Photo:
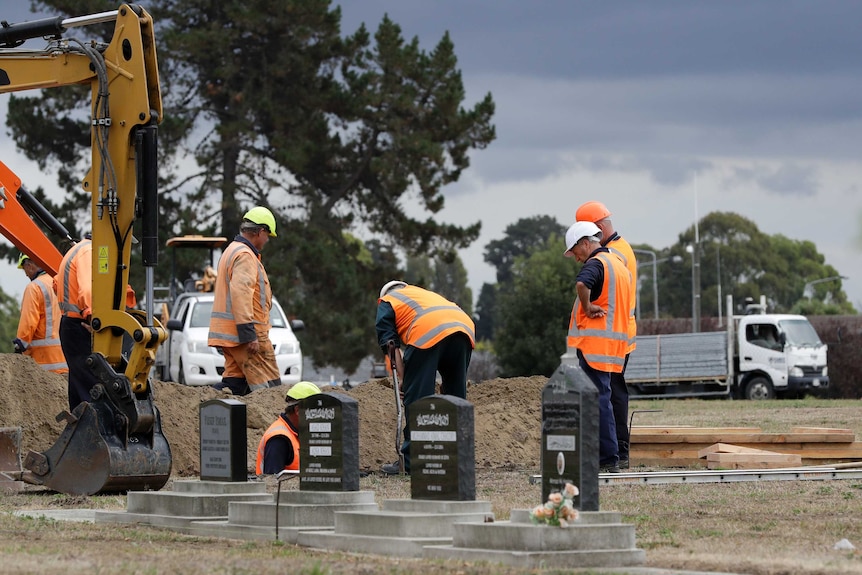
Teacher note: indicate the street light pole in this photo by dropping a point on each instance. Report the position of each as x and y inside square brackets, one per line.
[718, 280]
[654, 282]
[695, 287]
[808, 290]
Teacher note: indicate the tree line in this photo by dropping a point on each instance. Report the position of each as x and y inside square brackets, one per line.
[351, 139]
[269, 103]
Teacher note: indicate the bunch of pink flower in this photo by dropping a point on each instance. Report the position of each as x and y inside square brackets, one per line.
[559, 511]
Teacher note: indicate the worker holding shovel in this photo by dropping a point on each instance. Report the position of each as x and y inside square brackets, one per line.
[438, 337]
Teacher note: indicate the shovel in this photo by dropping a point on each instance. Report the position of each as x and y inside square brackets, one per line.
[398, 404]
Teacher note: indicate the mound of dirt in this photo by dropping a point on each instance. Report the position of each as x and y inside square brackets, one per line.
[507, 415]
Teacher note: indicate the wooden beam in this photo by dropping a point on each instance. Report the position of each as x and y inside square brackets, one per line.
[728, 448]
[752, 460]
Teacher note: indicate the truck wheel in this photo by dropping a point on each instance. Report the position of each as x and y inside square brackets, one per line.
[759, 388]
[181, 376]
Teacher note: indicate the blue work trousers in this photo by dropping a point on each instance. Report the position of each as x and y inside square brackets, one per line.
[608, 448]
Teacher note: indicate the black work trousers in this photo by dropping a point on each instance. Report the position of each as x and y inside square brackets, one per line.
[620, 406]
[451, 357]
[77, 343]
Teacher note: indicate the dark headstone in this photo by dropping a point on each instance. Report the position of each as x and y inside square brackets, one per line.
[223, 440]
[442, 450]
[570, 436]
[329, 443]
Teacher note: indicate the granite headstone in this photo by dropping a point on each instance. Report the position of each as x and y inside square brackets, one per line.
[223, 440]
[570, 436]
[442, 449]
[329, 443]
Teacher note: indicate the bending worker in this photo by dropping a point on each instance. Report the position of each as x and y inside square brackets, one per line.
[39, 325]
[279, 447]
[438, 337]
[597, 213]
[598, 328]
[239, 324]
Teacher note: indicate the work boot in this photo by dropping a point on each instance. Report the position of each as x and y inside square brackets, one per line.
[624, 454]
[236, 385]
[609, 468]
[393, 468]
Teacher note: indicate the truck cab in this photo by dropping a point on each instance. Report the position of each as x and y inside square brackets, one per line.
[779, 355]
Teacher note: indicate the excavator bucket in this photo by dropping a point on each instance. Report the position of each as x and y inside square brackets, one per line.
[10, 460]
[93, 455]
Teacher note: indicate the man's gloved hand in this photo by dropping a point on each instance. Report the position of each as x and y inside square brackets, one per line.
[19, 345]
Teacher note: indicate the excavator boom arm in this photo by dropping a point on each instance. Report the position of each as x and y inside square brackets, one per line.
[121, 428]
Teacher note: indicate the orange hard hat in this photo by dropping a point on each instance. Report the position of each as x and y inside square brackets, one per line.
[592, 212]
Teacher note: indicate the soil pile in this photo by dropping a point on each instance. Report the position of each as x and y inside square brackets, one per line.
[507, 415]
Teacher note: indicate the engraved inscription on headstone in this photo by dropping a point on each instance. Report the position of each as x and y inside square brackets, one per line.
[442, 451]
[223, 440]
[329, 443]
[570, 436]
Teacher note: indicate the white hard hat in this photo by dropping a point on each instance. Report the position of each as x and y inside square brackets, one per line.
[391, 286]
[580, 230]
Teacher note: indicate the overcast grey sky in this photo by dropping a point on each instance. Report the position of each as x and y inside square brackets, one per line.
[661, 109]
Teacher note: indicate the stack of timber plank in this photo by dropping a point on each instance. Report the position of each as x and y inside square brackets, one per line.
[725, 456]
[690, 446]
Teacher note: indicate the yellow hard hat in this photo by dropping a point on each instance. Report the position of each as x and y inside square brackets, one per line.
[262, 217]
[301, 390]
[21, 259]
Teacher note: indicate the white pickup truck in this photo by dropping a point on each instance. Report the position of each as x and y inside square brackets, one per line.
[187, 359]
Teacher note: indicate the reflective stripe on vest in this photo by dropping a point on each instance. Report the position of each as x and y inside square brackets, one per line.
[605, 328]
[231, 253]
[631, 265]
[436, 332]
[65, 304]
[278, 427]
[49, 321]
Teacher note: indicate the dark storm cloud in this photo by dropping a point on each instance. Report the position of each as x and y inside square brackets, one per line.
[631, 38]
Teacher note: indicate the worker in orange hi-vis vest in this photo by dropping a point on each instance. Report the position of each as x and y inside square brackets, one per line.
[39, 326]
[599, 214]
[599, 325]
[437, 336]
[278, 449]
[239, 325]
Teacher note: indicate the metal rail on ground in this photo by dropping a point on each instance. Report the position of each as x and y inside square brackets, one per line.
[723, 476]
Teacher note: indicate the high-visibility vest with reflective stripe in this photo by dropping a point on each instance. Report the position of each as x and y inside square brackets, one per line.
[423, 318]
[229, 311]
[603, 340]
[73, 283]
[39, 325]
[278, 427]
[624, 251]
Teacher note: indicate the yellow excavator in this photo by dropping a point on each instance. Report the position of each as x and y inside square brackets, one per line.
[114, 442]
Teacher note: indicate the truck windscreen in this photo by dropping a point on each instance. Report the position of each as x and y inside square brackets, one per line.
[799, 332]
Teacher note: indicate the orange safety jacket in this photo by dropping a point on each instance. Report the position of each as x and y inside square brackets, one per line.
[278, 427]
[423, 318]
[624, 251]
[603, 340]
[39, 325]
[73, 283]
[242, 299]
